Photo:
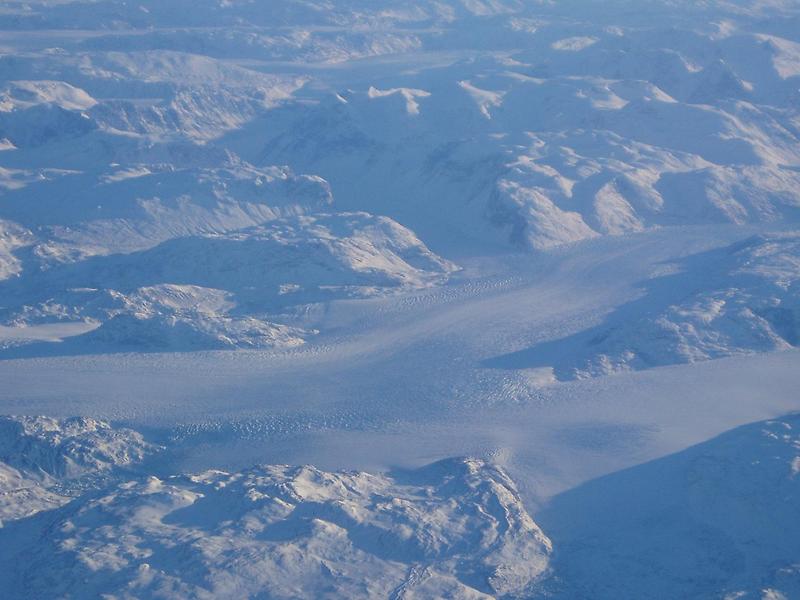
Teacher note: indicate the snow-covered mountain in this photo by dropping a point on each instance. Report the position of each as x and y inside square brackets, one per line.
[732, 301]
[44, 462]
[455, 528]
[718, 520]
[156, 129]
[558, 236]
[217, 290]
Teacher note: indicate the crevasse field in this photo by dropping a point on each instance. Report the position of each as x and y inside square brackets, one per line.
[393, 299]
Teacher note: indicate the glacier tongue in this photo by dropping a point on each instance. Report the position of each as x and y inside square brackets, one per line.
[131, 133]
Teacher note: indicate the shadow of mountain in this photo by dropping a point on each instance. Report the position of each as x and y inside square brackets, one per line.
[718, 518]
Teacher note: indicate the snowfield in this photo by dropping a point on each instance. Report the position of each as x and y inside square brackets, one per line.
[518, 283]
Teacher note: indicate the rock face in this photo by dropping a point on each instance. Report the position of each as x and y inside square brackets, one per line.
[456, 528]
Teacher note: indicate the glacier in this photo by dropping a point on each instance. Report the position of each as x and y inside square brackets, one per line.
[422, 299]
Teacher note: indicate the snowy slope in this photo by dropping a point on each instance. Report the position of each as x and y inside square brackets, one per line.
[726, 509]
[12, 237]
[136, 207]
[678, 119]
[69, 448]
[718, 520]
[22, 497]
[149, 130]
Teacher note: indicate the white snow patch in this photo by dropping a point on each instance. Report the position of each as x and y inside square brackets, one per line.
[574, 44]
